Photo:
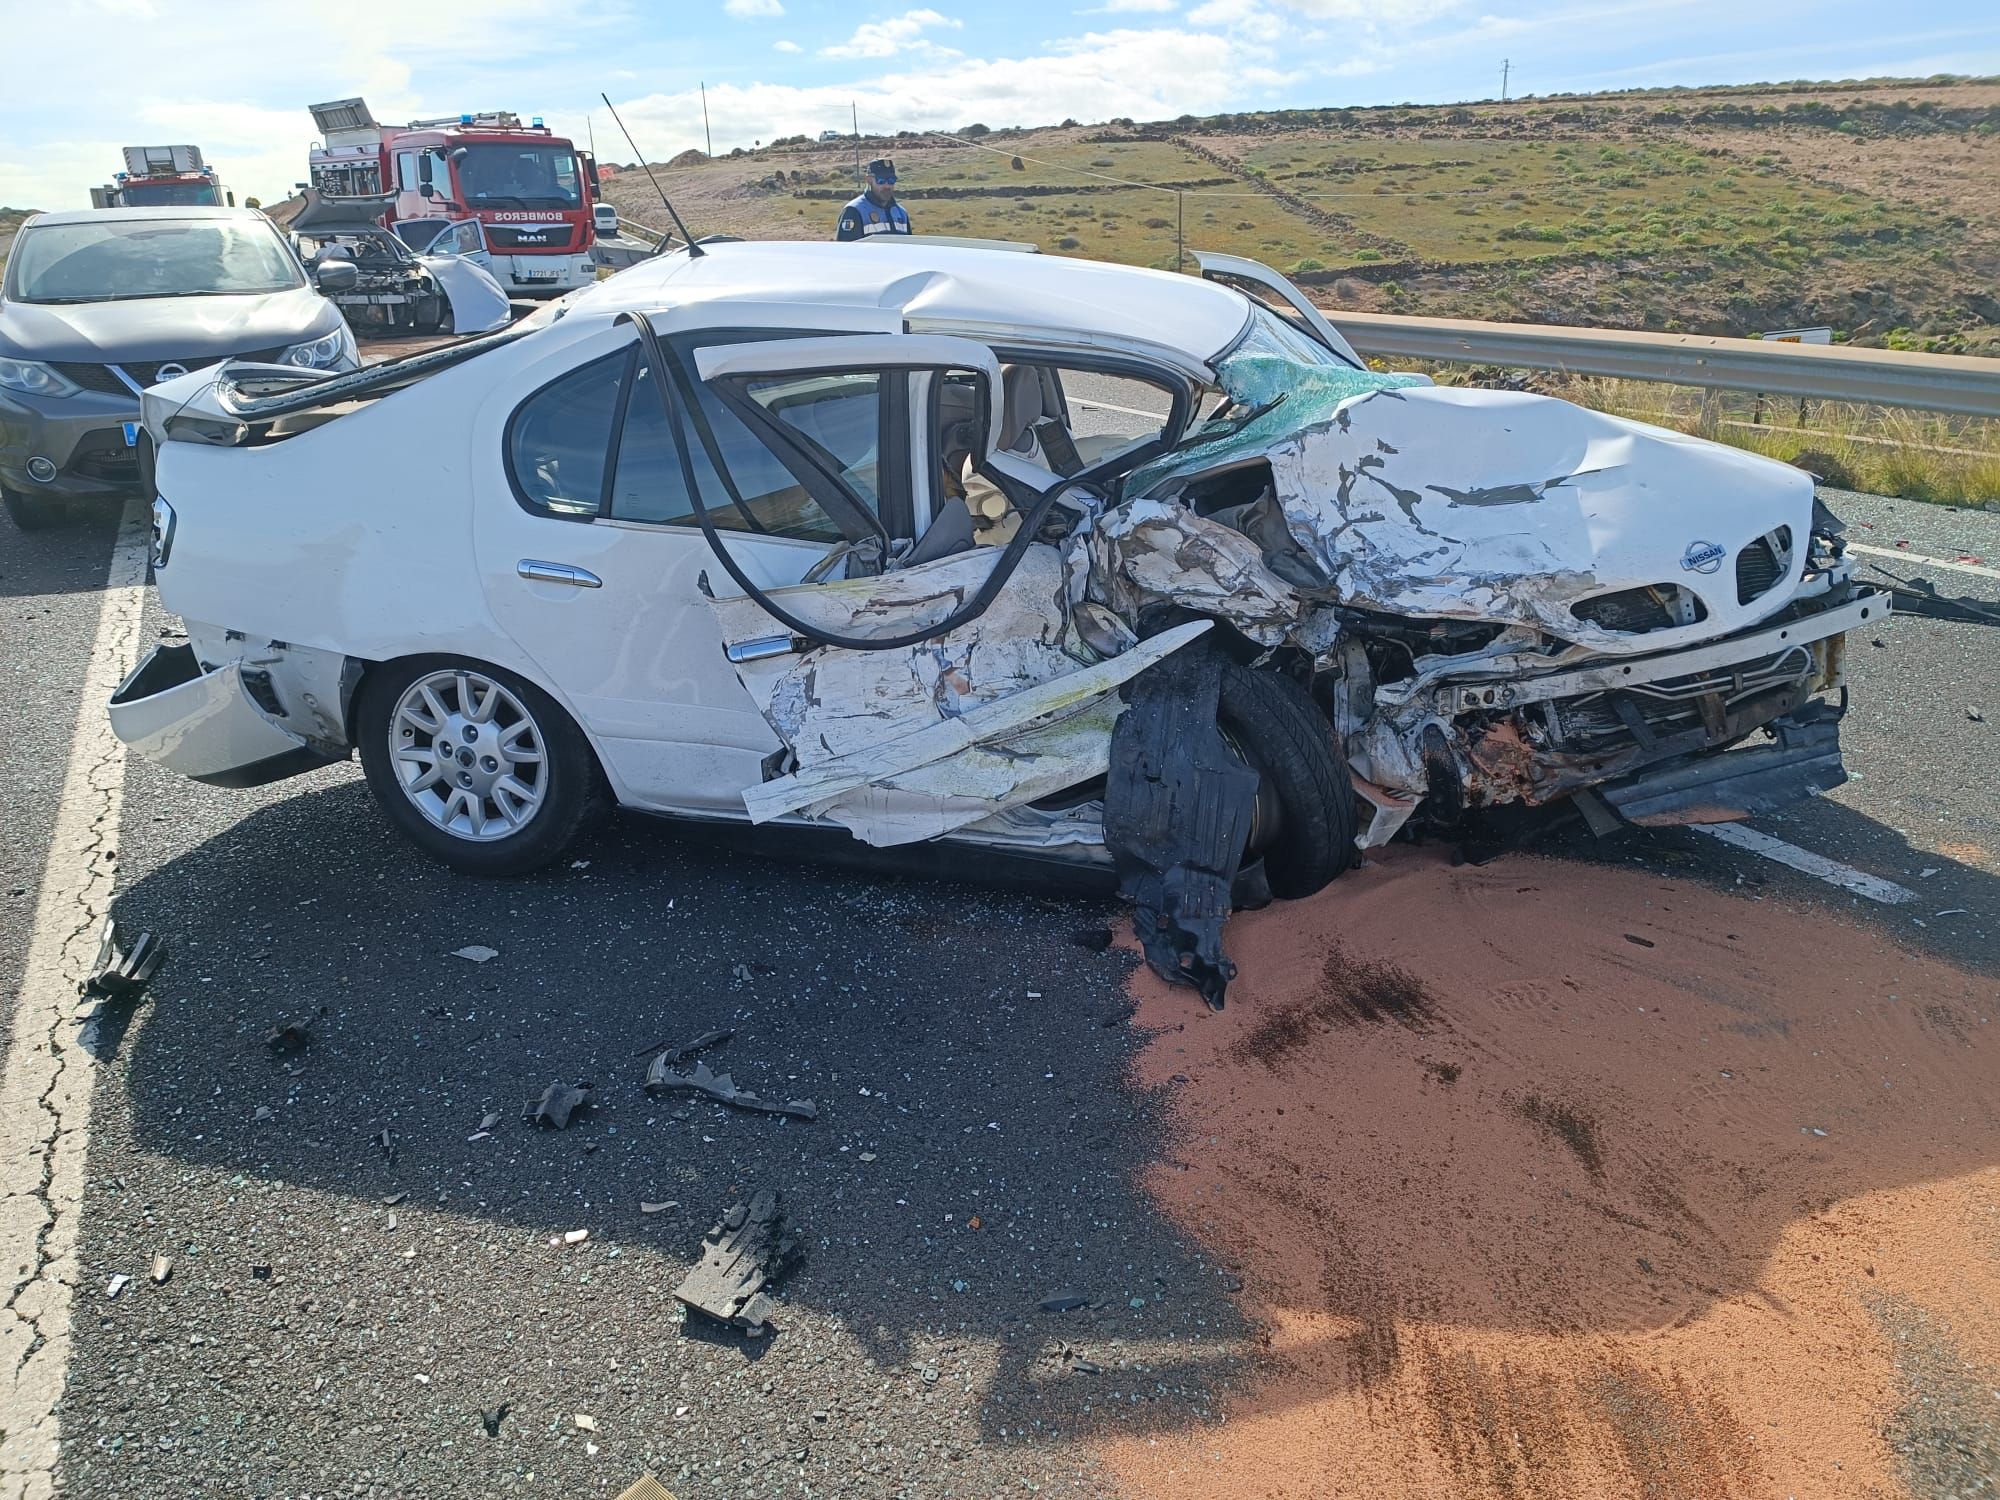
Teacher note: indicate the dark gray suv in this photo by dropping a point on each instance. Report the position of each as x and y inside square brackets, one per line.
[98, 304]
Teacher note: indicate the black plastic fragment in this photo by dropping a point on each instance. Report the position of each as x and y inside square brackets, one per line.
[491, 1420]
[746, 1251]
[558, 1103]
[662, 1079]
[1177, 812]
[117, 974]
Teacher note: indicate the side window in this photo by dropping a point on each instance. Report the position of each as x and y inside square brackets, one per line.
[650, 485]
[557, 443]
[406, 171]
[838, 415]
[466, 237]
[1069, 420]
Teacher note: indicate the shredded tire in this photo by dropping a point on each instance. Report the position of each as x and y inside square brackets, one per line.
[1295, 747]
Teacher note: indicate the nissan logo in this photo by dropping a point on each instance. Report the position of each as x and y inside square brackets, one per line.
[169, 371]
[1703, 557]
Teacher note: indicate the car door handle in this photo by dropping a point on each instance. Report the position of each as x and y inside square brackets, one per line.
[548, 572]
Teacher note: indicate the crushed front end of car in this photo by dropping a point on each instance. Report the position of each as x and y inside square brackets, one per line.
[1504, 598]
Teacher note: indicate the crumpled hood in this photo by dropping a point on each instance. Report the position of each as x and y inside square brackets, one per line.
[153, 328]
[1511, 508]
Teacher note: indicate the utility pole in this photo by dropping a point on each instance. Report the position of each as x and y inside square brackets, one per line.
[1180, 236]
[854, 110]
[707, 136]
[1506, 64]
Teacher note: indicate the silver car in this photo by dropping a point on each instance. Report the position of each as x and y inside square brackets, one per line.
[98, 304]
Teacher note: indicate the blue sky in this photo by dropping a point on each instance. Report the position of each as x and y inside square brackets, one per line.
[234, 76]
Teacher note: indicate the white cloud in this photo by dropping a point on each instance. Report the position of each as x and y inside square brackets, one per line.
[1131, 7]
[1148, 74]
[786, 44]
[743, 9]
[904, 33]
[188, 66]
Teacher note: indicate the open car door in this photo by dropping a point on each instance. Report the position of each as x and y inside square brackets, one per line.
[923, 680]
[1267, 288]
[460, 261]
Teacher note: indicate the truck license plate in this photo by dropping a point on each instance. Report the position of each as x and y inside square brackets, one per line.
[536, 276]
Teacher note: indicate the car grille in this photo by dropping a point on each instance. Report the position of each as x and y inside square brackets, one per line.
[1762, 563]
[104, 455]
[1659, 606]
[1592, 722]
[144, 372]
[508, 237]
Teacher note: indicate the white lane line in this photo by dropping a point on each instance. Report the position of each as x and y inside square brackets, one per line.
[1977, 570]
[46, 1082]
[1832, 871]
[1130, 411]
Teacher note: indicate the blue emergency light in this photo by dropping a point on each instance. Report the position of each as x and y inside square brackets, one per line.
[536, 121]
[465, 119]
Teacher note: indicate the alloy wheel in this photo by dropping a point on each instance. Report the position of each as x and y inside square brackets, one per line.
[469, 755]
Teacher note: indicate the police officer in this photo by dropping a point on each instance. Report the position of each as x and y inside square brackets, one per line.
[875, 211]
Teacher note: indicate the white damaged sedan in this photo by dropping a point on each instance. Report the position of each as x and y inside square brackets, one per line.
[942, 542]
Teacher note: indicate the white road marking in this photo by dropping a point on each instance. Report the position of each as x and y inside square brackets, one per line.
[46, 1083]
[1832, 871]
[1130, 411]
[1978, 570]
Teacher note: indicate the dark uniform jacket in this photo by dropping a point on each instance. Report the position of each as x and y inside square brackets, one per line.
[864, 217]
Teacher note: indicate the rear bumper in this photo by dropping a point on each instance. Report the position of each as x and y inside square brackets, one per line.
[206, 726]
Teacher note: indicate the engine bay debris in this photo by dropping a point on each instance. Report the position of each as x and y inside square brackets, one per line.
[748, 1249]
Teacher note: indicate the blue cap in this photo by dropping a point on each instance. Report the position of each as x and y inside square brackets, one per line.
[882, 170]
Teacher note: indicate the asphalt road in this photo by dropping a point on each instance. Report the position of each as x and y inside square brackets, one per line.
[968, 1057]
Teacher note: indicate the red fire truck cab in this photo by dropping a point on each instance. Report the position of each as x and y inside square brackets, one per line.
[529, 191]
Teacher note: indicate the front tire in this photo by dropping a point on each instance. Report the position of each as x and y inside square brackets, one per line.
[481, 769]
[1293, 747]
[30, 512]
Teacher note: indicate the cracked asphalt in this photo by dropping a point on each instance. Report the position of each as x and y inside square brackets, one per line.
[345, 1309]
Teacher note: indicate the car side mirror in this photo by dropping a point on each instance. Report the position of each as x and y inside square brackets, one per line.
[426, 190]
[336, 276]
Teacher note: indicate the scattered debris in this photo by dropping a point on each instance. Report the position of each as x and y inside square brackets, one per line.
[570, 1237]
[386, 1141]
[1069, 1299]
[393, 1199]
[662, 1079]
[586, 1422]
[486, 1123]
[1973, 713]
[559, 1102]
[868, 1156]
[745, 1252]
[116, 1285]
[491, 1420]
[163, 1267]
[673, 1054]
[646, 1487]
[261, 1270]
[1178, 804]
[1096, 939]
[1636, 940]
[659, 1208]
[741, 973]
[263, 1113]
[119, 975]
[477, 953]
[293, 1036]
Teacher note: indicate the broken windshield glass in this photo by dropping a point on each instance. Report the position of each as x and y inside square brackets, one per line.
[1283, 387]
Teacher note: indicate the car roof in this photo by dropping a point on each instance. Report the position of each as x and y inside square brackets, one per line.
[942, 286]
[157, 211]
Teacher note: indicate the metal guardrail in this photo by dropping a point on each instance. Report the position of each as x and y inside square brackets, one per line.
[1839, 372]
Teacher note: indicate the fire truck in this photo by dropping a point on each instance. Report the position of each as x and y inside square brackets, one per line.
[523, 192]
[157, 176]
